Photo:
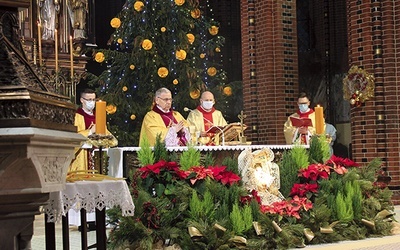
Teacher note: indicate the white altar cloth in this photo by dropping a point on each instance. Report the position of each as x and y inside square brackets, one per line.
[90, 195]
[115, 162]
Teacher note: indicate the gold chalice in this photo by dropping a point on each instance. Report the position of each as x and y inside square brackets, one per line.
[203, 140]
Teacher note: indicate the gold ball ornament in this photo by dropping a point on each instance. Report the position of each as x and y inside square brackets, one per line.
[202, 55]
[180, 54]
[132, 67]
[162, 72]
[211, 71]
[175, 81]
[133, 117]
[111, 109]
[195, 13]
[124, 88]
[217, 50]
[191, 38]
[138, 6]
[99, 57]
[179, 2]
[147, 44]
[195, 94]
[213, 30]
[119, 40]
[227, 91]
[163, 29]
[115, 22]
[352, 101]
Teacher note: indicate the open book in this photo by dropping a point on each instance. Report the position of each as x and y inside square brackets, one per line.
[301, 122]
[215, 129]
[231, 132]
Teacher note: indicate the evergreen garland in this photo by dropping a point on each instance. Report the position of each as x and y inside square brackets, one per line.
[160, 150]
[288, 173]
[146, 155]
[189, 158]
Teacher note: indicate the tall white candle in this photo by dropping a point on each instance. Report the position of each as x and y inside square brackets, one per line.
[56, 47]
[40, 43]
[71, 50]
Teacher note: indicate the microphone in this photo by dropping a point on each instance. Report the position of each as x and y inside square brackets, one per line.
[186, 109]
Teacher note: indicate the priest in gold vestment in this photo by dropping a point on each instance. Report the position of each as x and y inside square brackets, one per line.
[170, 124]
[85, 124]
[205, 116]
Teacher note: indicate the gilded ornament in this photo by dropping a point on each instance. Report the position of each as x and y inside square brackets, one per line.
[111, 109]
[124, 88]
[190, 37]
[133, 117]
[202, 55]
[180, 54]
[211, 71]
[119, 40]
[195, 13]
[162, 72]
[132, 67]
[175, 81]
[213, 30]
[227, 91]
[358, 86]
[195, 94]
[217, 49]
[115, 22]
[99, 57]
[147, 44]
[163, 29]
[179, 2]
[138, 6]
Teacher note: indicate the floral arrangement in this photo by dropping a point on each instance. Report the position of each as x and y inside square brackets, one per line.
[208, 208]
[358, 86]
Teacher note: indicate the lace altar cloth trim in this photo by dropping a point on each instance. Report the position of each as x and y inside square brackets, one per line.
[90, 195]
[217, 148]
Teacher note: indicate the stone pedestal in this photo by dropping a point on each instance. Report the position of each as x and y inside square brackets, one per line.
[33, 163]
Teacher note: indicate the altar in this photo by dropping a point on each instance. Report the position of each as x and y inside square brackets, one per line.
[86, 196]
[122, 157]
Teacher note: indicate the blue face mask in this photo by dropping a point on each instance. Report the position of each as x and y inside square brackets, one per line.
[303, 108]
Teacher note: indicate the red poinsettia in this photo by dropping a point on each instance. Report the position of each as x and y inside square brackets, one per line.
[225, 177]
[302, 189]
[289, 208]
[314, 172]
[201, 173]
[344, 162]
[157, 167]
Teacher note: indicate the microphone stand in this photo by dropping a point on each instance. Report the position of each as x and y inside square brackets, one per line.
[213, 126]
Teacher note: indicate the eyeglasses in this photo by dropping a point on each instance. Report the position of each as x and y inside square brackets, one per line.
[165, 99]
[89, 100]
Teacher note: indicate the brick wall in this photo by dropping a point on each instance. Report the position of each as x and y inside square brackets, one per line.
[270, 75]
[269, 59]
[373, 32]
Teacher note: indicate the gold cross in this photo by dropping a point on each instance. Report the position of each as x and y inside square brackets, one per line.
[241, 117]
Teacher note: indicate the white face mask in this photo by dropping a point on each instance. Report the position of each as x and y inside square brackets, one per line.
[207, 104]
[303, 108]
[90, 105]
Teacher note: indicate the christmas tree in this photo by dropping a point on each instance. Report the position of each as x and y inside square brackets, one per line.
[157, 43]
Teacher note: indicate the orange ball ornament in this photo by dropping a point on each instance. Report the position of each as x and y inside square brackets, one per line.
[227, 91]
[195, 94]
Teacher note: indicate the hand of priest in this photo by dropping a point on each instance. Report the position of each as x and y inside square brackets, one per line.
[92, 128]
[303, 130]
[178, 127]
